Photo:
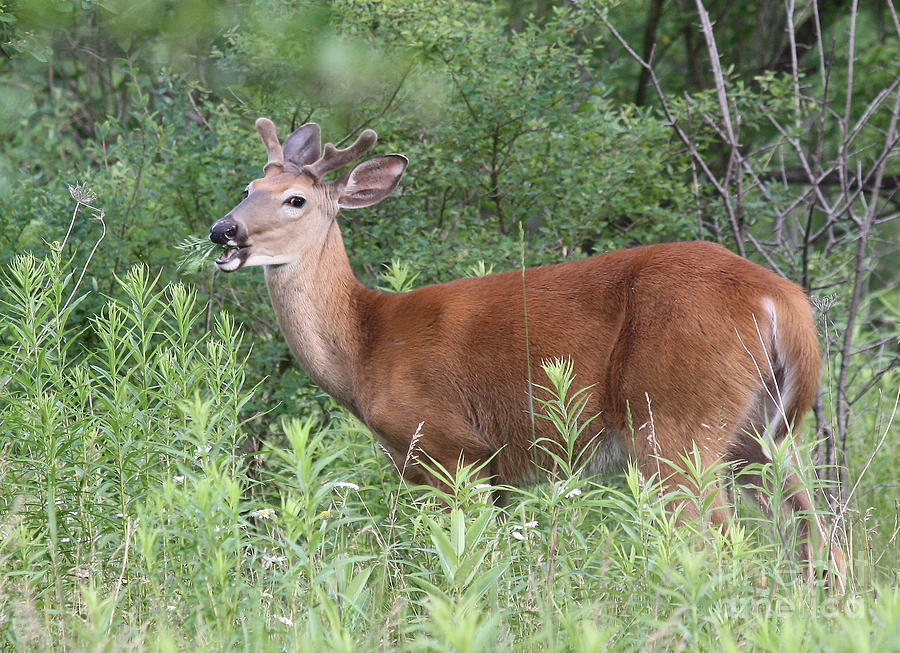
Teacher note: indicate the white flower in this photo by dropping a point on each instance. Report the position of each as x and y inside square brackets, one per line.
[483, 486]
[516, 530]
[269, 560]
[286, 621]
[347, 484]
[574, 492]
[263, 513]
[179, 479]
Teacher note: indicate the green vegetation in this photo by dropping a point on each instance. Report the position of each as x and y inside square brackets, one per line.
[169, 479]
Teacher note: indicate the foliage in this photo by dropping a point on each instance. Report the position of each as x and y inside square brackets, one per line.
[150, 494]
[129, 519]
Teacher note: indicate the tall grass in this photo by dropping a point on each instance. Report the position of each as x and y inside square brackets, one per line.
[128, 519]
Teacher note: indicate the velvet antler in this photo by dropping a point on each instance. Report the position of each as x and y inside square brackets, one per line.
[333, 158]
[266, 129]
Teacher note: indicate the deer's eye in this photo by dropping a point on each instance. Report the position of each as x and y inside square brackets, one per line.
[297, 202]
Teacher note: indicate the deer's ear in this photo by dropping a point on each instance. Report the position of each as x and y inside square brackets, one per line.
[371, 181]
[304, 145]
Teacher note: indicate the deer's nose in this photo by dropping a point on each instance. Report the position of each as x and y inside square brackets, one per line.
[223, 231]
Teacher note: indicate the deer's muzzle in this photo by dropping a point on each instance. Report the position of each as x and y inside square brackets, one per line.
[224, 231]
[228, 233]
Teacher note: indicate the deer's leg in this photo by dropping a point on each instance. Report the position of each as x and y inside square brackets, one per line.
[812, 536]
[427, 446]
[665, 448]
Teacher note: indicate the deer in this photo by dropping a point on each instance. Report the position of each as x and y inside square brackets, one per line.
[685, 347]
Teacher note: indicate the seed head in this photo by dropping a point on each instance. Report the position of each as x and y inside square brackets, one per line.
[82, 194]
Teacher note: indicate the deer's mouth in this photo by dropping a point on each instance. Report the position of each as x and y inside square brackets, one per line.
[232, 257]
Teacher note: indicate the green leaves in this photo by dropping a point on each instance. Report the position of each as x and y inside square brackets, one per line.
[567, 449]
[462, 549]
[397, 276]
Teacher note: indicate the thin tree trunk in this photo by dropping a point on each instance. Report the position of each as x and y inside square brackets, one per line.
[649, 43]
[691, 48]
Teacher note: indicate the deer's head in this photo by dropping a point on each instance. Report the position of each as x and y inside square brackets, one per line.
[286, 213]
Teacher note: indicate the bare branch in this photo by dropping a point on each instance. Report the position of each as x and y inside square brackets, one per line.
[894, 18]
[706, 28]
[845, 122]
[649, 45]
[688, 143]
[734, 216]
[795, 76]
[843, 407]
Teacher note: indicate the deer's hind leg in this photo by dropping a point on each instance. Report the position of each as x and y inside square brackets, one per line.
[687, 461]
[747, 455]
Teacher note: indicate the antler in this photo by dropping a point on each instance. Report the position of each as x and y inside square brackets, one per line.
[266, 129]
[333, 158]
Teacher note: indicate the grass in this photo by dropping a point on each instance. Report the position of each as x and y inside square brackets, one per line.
[129, 521]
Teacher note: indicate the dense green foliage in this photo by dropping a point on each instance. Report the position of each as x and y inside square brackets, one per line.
[131, 522]
[170, 479]
[128, 506]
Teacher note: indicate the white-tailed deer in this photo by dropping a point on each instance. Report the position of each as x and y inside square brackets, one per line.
[717, 347]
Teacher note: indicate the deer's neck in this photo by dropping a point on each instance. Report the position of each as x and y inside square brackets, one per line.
[317, 303]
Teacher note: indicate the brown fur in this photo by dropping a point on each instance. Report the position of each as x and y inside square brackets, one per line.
[706, 341]
[661, 320]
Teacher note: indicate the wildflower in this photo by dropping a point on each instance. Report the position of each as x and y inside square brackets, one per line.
[574, 492]
[285, 620]
[348, 485]
[325, 513]
[270, 560]
[483, 486]
[263, 513]
[517, 529]
[179, 479]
